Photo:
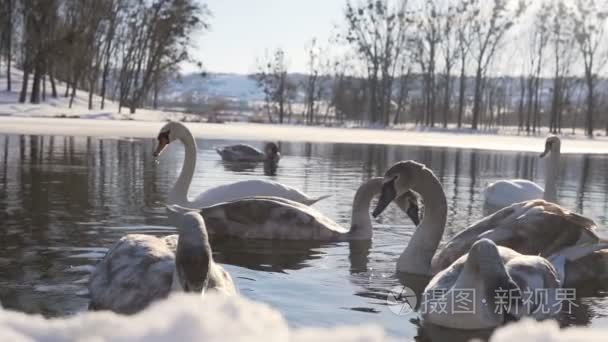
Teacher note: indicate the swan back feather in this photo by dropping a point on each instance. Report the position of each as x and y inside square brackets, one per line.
[535, 227]
[270, 218]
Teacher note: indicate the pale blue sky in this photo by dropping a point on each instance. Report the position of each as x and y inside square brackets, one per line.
[241, 30]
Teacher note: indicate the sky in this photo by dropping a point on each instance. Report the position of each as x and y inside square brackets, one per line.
[242, 30]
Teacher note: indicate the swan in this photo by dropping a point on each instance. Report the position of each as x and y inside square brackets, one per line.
[501, 284]
[248, 153]
[472, 260]
[532, 227]
[174, 130]
[140, 269]
[485, 288]
[281, 219]
[503, 193]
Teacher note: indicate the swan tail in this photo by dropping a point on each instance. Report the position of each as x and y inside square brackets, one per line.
[315, 200]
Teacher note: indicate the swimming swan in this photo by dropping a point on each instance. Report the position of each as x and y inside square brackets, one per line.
[247, 153]
[486, 287]
[502, 285]
[474, 265]
[281, 219]
[535, 227]
[179, 194]
[140, 269]
[503, 193]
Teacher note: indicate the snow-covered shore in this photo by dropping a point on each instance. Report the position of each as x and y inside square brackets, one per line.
[216, 318]
[238, 131]
[54, 117]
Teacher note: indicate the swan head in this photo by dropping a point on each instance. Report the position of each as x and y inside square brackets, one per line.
[485, 263]
[171, 131]
[193, 255]
[271, 150]
[398, 181]
[552, 144]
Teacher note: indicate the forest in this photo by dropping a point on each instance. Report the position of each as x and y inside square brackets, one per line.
[439, 63]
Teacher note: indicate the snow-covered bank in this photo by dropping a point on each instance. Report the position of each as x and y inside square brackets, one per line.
[216, 318]
[149, 129]
[549, 331]
[180, 318]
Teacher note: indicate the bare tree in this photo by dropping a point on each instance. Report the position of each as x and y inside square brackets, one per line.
[449, 52]
[561, 39]
[378, 33]
[488, 27]
[271, 76]
[589, 27]
[312, 81]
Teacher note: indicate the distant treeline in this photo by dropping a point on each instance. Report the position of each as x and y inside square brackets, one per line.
[435, 62]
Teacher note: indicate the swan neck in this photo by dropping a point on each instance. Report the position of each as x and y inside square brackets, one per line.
[179, 194]
[417, 256]
[361, 223]
[551, 174]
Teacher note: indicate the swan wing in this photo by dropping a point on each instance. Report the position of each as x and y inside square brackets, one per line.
[270, 218]
[135, 272]
[534, 227]
[585, 265]
[247, 188]
[240, 152]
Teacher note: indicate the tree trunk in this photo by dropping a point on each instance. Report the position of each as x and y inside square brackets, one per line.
[73, 95]
[446, 100]
[53, 85]
[35, 95]
[43, 87]
[155, 99]
[9, 44]
[590, 102]
[522, 101]
[91, 89]
[24, 84]
[104, 79]
[461, 92]
[477, 97]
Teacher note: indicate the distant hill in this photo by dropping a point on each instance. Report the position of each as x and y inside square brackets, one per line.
[235, 87]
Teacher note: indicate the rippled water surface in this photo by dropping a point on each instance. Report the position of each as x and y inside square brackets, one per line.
[65, 200]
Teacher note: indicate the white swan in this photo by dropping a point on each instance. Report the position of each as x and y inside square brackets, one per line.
[248, 153]
[179, 194]
[534, 227]
[503, 193]
[486, 267]
[488, 286]
[140, 269]
[281, 219]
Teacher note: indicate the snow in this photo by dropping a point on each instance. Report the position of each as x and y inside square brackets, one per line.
[548, 331]
[264, 132]
[184, 317]
[53, 117]
[180, 318]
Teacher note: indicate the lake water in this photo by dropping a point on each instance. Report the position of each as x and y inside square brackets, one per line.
[65, 200]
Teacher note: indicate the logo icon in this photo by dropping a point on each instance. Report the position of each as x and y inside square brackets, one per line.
[401, 300]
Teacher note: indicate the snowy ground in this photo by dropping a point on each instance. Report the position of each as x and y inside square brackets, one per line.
[149, 129]
[54, 117]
